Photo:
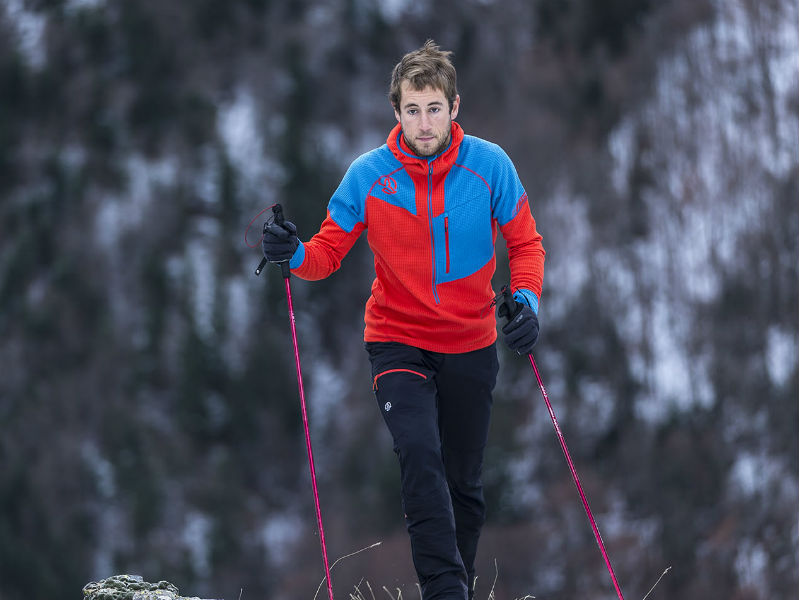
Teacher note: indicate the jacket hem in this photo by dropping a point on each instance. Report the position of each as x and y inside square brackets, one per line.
[445, 347]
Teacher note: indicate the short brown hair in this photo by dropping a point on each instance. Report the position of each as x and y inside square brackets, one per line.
[426, 66]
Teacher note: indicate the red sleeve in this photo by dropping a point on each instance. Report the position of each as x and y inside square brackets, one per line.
[525, 252]
[324, 252]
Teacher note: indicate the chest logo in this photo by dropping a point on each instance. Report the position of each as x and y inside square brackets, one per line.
[389, 184]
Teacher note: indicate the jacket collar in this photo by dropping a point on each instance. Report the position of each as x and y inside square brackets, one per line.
[442, 161]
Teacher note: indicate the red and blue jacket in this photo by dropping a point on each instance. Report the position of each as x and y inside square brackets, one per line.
[431, 224]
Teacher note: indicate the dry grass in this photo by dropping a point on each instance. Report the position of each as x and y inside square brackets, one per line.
[364, 591]
[369, 594]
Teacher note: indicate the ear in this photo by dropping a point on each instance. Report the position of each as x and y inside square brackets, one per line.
[396, 114]
[456, 104]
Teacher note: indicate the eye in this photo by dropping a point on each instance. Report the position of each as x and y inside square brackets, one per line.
[412, 111]
[435, 109]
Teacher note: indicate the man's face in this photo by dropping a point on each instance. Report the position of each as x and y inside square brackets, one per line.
[425, 118]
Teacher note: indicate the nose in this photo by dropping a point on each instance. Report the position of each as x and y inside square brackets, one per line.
[425, 121]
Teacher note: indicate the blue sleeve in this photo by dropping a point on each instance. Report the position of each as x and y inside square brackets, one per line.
[347, 205]
[529, 298]
[508, 193]
[298, 257]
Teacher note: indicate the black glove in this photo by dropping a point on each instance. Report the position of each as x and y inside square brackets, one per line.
[522, 331]
[280, 241]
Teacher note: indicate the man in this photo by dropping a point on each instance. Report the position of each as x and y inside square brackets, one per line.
[431, 200]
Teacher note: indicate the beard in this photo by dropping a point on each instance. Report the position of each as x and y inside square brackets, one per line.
[431, 148]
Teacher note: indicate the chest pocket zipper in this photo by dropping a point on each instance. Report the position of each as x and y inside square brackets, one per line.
[447, 244]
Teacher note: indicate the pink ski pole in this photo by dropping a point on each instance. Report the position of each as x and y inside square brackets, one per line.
[511, 308]
[285, 271]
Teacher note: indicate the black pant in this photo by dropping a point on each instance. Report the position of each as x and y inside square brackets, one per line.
[437, 408]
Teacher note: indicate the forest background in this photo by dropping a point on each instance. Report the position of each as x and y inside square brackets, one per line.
[149, 420]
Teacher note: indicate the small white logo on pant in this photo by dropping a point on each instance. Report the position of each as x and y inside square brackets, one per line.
[387, 406]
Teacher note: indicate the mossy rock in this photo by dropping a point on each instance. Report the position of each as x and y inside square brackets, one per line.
[131, 587]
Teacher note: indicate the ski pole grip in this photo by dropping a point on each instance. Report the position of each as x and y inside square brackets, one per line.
[277, 213]
[509, 307]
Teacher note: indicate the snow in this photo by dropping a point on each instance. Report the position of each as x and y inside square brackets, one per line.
[781, 355]
[239, 126]
[712, 117]
[30, 27]
[278, 534]
[195, 537]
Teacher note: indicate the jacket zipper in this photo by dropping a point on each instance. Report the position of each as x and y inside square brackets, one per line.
[382, 373]
[430, 227]
[446, 245]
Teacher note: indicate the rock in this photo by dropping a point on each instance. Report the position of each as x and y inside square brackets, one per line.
[131, 587]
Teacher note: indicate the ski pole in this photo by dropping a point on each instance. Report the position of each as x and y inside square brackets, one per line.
[511, 309]
[277, 212]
